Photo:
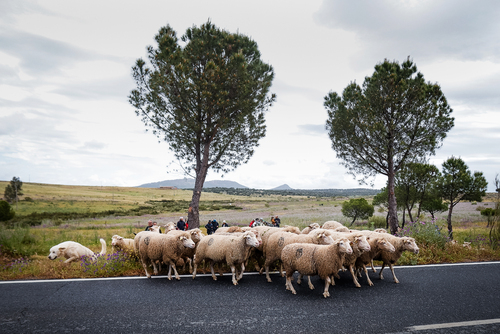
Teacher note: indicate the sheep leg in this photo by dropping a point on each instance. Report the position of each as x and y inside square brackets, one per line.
[326, 293]
[212, 270]
[311, 286]
[145, 268]
[266, 266]
[373, 268]
[194, 269]
[172, 265]
[233, 269]
[299, 279]
[288, 284]
[354, 279]
[370, 283]
[190, 265]
[155, 268]
[393, 274]
[282, 273]
[240, 276]
[381, 275]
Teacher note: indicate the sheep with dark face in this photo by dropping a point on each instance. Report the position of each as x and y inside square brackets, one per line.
[231, 248]
[312, 259]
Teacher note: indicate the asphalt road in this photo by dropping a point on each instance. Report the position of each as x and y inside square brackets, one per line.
[427, 296]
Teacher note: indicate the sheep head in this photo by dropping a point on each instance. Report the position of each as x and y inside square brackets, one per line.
[362, 243]
[344, 246]
[187, 242]
[409, 244]
[250, 239]
[386, 245]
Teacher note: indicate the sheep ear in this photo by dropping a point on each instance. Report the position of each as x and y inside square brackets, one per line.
[62, 248]
[180, 238]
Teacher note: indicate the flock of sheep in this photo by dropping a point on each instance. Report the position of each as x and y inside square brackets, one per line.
[316, 250]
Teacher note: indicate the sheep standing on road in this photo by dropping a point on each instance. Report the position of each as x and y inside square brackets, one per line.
[378, 243]
[168, 248]
[188, 253]
[400, 244]
[311, 259]
[232, 249]
[276, 242]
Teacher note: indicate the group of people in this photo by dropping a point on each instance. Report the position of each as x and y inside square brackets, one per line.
[213, 225]
[275, 222]
[181, 225]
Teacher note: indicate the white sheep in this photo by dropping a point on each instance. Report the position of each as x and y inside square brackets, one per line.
[124, 244]
[231, 249]
[400, 244]
[311, 259]
[276, 242]
[309, 228]
[188, 253]
[332, 224]
[359, 245]
[168, 248]
[170, 226]
[378, 243]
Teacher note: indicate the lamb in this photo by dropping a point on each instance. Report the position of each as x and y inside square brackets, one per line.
[311, 259]
[400, 244]
[188, 253]
[378, 243]
[276, 242]
[309, 228]
[124, 244]
[232, 249]
[163, 247]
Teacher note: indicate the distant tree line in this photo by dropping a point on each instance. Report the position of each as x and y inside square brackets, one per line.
[295, 192]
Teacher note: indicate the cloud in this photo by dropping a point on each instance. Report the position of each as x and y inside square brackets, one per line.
[312, 129]
[432, 30]
[40, 55]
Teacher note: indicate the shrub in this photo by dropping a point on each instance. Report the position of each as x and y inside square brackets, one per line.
[426, 234]
[378, 222]
[107, 264]
[6, 211]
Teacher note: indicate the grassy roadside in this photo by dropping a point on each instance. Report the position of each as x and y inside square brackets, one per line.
[24, 248]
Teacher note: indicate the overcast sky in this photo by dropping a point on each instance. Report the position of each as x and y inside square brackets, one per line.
[65, 74]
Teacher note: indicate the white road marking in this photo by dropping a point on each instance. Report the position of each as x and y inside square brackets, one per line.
[455, 324]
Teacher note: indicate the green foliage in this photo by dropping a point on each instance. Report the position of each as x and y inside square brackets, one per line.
[357, 208]
[457, 183]
[6, 211]
[13, 190]
[17, 241]
[426, 234]
[378, 222]
[394, 118]
[433, 205]
[206, 96]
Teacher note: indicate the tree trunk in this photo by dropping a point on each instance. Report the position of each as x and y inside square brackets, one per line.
[404, 217]
[409, 214]
[393, 213]
[450, 228]
[194, 206]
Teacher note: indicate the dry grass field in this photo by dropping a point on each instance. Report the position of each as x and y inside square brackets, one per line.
[24, 250]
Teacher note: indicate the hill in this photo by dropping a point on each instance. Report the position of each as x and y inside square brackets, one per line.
[186, 183]
[283, 187]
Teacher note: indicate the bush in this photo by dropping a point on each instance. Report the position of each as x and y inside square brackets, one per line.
[426, 234]
[378, 222]
[6, 211]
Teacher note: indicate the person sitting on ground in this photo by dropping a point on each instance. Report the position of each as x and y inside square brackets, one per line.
[181, 224]
[224, 224]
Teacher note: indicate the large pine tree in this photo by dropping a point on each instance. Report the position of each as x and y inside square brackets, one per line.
[395, 118]
[206, 96]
